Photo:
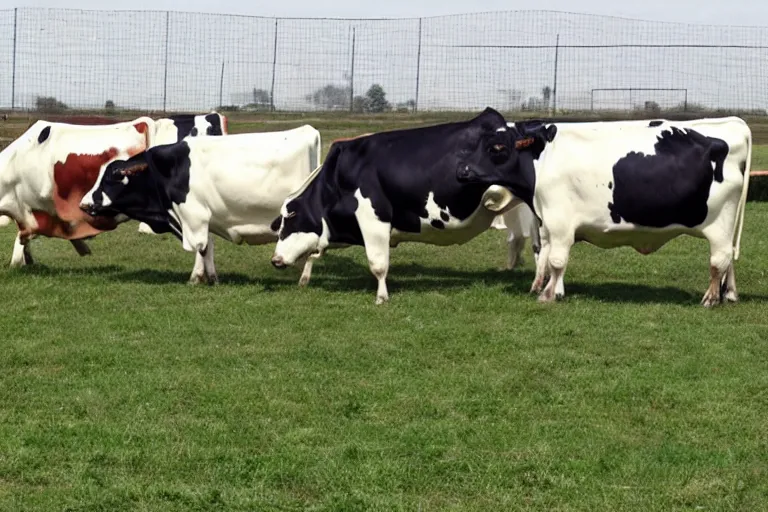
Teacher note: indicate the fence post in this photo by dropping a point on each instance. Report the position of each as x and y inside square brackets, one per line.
[13, 74]
[165, 77]
[554, 83]
[352, 75]
[418, 71]
[221, 86]
[274, 70]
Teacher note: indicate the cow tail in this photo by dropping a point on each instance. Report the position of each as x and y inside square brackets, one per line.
[743, 200]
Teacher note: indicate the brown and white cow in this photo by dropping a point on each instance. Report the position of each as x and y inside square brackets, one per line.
[46, 172]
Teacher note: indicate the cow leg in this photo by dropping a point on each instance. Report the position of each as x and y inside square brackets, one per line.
[376, 237]
[204, 270]
[541, 266]
[21, 253]
[208, 267]
[81, 247]
[515, 247]
[556, 260]
[145, 229]
[720, 263]
[306, 274]
[731, 295]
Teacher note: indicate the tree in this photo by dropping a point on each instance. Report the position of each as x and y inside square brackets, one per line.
[377, 99]
[330, 97]
[262, 100]
[109, 106]
[49, 104]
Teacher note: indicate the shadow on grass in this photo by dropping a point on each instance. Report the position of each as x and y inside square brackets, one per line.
[43, 270]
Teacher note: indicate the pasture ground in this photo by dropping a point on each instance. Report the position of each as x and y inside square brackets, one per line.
[123, 388]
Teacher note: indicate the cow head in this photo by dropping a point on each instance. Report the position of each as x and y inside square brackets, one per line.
[122, 186]
[503, 156]
[300, 233]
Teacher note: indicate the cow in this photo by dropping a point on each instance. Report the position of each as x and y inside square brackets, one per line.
[379, 190]
[229, 186]
[172, 129]
[46, 171]
[639, 184]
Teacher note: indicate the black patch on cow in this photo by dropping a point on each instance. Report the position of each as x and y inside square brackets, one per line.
[424, 214]
[615, 217]
[671, 186]
[444, 216]
[215, 127]
[44, 134]
[437, 224]
[743, 167]
[655, 124]
[275, 226]
[193, 132]
[610, 185]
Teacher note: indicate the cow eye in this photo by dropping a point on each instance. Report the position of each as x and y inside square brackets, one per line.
[498, 148]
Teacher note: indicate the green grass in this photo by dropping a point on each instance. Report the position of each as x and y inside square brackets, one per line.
[123, 388]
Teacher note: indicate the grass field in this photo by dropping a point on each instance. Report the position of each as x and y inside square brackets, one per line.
[123, 388]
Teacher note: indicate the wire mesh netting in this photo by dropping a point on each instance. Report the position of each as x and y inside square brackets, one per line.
[529, 60]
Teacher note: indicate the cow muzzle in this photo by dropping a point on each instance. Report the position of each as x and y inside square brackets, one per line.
[278, 262]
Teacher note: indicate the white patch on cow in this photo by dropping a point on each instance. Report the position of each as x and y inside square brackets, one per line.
[296, 246]
[105, 200]
[376, 237]
[502, 129]
[125, 180]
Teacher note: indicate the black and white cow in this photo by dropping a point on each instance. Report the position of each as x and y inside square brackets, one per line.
[640, 184]
[389, 187]
[229, 186]
[168, 130]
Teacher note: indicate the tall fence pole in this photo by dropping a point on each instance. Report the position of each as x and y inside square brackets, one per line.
[352, 75]
[221, 86]
[165, 76]
[274, 71]
[554, 82]
[13, 74]
[418, 71]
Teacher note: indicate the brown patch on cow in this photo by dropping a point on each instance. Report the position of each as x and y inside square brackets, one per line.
[142, 128]
[51, 226]
[351, 138]
[224, 125]
[73, 178]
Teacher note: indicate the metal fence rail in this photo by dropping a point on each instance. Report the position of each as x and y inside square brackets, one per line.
[520, 60]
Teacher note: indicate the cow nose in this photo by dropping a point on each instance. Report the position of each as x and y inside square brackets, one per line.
[464, 173]
[278, 262]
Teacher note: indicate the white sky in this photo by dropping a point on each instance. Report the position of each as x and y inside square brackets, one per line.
[732, 12]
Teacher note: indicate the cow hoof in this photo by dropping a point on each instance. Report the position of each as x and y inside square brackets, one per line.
[145, 229]
[303, 282]
[546, 298]
[17, 263]
[212, 280]
[195, 280]
[381, 300]
[559, 296]
[731, 296]
[536, 287]
[710, 301]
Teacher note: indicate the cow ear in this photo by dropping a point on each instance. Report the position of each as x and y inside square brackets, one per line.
[130, 171]
[524, 143]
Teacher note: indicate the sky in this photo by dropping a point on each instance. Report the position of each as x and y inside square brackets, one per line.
[195, 62]
[738, 12]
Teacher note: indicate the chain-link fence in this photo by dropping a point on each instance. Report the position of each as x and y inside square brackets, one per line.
[531, 60]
